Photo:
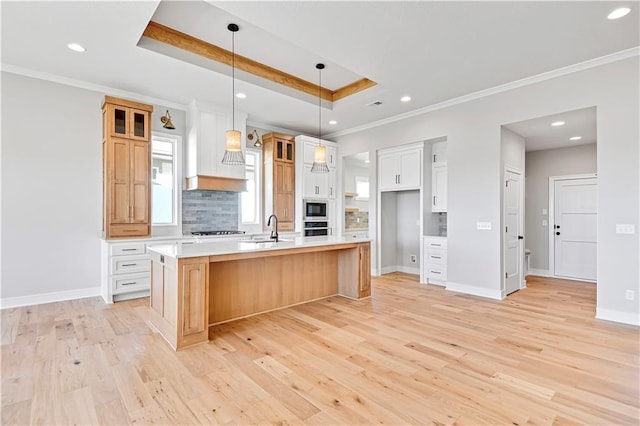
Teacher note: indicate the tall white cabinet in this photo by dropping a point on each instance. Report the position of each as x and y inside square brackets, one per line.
[315, 186]
[439, 177]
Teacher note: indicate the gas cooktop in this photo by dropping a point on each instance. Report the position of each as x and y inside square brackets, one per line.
[217, 232]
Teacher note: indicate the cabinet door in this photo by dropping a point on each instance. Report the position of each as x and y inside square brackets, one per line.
[439, 153]
[332, 156]
[332, 183]
[439, 189]
[308, 152]
[389, 165]
[284, 207]
[138, 124]
[120, 170]
[195, 298]
[140, 182]
[119, 121]
[315, 185]
[410, 172]
[364, 270]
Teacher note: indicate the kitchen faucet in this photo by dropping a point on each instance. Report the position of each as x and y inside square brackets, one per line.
[274, 234]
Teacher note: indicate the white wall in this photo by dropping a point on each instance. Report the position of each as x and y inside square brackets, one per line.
[350, 173]
[408, 238]
[52, 188]
[388, 231]
[540, 165]
[474, 170]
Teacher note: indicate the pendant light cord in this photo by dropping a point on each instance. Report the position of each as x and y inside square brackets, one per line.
[319, 105]
[233, 81]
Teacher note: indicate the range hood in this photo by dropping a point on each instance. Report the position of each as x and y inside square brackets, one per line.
[206, 139]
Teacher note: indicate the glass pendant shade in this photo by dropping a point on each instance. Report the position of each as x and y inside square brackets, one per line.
[320, 160]
[233, 151]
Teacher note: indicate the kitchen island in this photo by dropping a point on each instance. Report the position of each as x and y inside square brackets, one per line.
[195, 286]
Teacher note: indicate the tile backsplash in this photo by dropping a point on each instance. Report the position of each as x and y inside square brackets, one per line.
[355, 220]
[209, 210]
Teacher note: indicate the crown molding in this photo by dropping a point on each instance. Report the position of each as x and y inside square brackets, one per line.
[271, 128]
[90, 86]
[581, 66]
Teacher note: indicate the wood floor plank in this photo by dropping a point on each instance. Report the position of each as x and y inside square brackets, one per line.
[410, 354]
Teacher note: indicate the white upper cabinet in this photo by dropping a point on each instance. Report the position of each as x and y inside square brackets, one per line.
[439, 177]
[400, 168]
[317, 185]
[439, 153]
[206, 140]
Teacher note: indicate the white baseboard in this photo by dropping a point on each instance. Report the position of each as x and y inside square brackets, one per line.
[618, 316]
[408, 270]
[475, 291]
[388, 269]
[58, 296]
[539, 272]
[400, 268]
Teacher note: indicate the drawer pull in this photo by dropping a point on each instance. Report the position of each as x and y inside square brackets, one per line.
[129, 264]
[131, 283]
[435, 272]
[436, 257]
[434, 245]
[129, 249]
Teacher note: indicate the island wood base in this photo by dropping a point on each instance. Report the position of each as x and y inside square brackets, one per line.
[190, 294]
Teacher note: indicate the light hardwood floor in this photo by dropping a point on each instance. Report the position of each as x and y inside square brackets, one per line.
[411, 354]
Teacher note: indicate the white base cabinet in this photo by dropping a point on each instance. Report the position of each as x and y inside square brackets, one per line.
[126, 269]
[435, 260]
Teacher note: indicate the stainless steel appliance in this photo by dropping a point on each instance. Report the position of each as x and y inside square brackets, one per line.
[315, 228]
[223, 232]
[314, 210]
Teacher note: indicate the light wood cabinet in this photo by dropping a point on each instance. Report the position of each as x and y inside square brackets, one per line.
[126, 168]
[364, 270]
[278, 179]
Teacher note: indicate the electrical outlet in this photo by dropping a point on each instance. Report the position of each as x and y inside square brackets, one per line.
[412, 258]
[629, 295]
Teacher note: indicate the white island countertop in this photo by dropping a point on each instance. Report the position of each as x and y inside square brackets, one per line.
[185, 250]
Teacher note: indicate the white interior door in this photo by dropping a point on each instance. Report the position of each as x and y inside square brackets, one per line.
[575, 228]
[513, 233]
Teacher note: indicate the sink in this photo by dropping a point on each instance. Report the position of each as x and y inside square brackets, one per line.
[266, 240]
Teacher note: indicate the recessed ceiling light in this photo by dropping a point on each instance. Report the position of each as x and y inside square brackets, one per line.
[76, 47]
[241, 95]
[557, 123]
[575, 138]
[405, 99]
[333, 122]
[619, 13]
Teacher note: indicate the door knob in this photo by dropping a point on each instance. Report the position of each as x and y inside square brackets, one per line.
[520, 237]
[556, 226]
[557, 233]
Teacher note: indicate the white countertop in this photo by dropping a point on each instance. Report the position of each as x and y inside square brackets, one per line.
[182, 249]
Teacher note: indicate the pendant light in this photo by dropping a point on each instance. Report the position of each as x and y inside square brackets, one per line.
[233, 151]
[320, 152]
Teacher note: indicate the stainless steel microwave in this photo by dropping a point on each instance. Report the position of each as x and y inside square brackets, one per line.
[315, 210]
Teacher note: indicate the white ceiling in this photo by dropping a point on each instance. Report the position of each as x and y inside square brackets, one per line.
[432, 51]
[540, 134]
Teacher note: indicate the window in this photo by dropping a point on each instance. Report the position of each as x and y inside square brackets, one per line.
[250, 200]
[163, 180]
[362, 188]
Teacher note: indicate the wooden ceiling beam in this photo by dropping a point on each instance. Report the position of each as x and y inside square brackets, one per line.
[180, 40]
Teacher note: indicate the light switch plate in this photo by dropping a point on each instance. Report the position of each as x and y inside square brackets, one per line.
[625, 228]
[544, 211]
[484, 226]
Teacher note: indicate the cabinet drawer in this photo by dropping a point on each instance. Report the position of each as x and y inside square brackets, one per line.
[436, 272]
[130, 283]
[127, 249]
[129, 230]
[435, 256]
[437, 243]
[127, 264]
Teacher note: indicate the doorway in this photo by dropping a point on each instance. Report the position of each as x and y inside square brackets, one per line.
[573, 208]
[513, 236]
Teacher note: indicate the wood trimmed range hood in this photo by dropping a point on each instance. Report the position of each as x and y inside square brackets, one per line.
[206, 140]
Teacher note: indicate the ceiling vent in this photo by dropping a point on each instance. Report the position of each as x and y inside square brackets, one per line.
[375, 103]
